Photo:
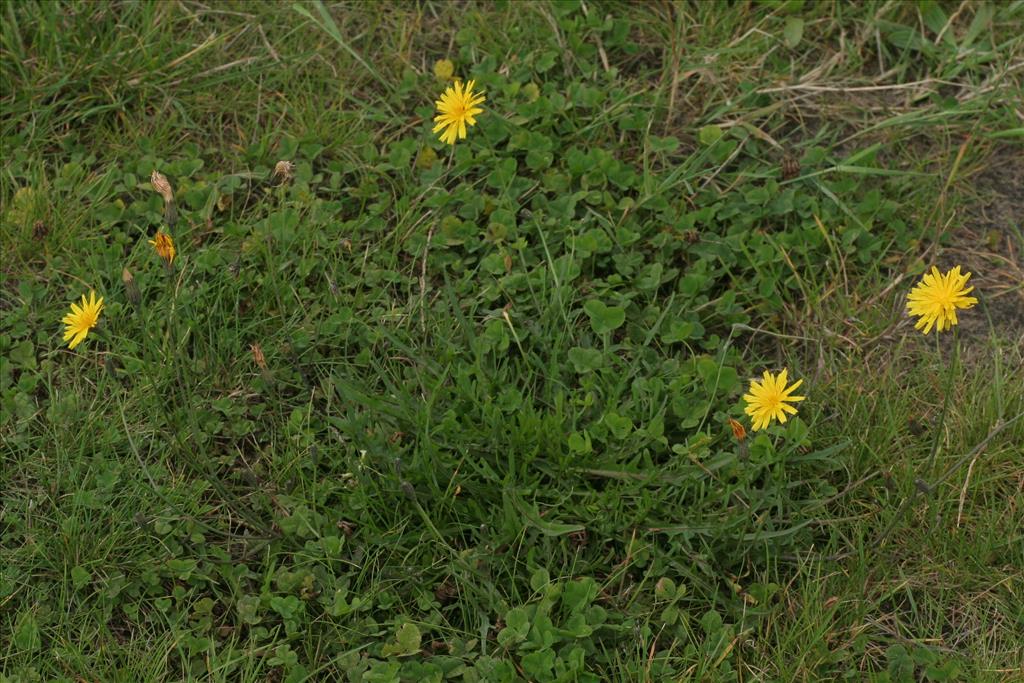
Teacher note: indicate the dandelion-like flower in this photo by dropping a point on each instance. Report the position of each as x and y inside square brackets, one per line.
[444, 69]
[457, 108]
[770, 398]
[936, 298]
[164, 246]
[81, 319]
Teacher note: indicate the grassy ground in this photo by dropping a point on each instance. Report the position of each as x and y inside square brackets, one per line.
[491, 439]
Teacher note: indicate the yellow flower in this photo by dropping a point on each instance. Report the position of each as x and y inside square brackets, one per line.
[457, 108]
[937, 297]
[164, 246]
[443, 69]
[81, 319]
[769, 399]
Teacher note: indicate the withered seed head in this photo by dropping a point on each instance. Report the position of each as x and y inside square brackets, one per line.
[284, 170]
[258, 357]
[162, 185]
[790, 167]
[130, 287]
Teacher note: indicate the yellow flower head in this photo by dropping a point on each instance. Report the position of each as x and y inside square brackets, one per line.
[81, 319]
[444, 69]
[937, 297]
[769, 399]
[457, 107]
[164, 246]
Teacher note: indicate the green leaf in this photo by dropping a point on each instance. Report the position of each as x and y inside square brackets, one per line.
[332, 545]
[579, 442]
[248, 609]
[540, 579]
[711, 623]
[586, 360]
[577, 595]
[678, 330]
[26, 634]
[538, 665]
[23, 355]
[797, 431]
[80, 576]
[665, 589]
[793, 32]
[531, 516]
[901, 666]
[407, 642]
[669, 144]
[284, 656]
[935, 19]
[709, 135]
[603, 318]
[518, 619]
[288, 606]
[982, 20]
[619, 425]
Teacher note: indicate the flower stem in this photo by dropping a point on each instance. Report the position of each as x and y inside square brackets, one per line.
[920, 486]
[946, 391]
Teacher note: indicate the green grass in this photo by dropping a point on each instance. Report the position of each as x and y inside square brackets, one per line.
[491, 442]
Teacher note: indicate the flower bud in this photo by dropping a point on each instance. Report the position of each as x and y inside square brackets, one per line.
[738, 430]
[444, 69]
[162, 185]
[258, 357]
[130, 287]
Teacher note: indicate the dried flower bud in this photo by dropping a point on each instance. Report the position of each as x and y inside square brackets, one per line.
[790, 167]
[162, 185]
[284, 171]
[258, 357]
[446, 592]
[738, 430]
[131, 289]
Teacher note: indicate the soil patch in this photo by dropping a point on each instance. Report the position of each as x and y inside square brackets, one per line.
[990, 245]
